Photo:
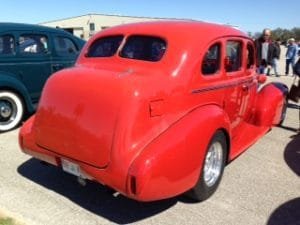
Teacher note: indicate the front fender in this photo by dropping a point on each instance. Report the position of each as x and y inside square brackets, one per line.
[9, 82]
[269, 104]
[171, 164]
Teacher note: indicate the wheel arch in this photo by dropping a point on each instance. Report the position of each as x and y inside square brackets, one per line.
[269, 104]
[228, 143]
[183, 151]
[8, 83]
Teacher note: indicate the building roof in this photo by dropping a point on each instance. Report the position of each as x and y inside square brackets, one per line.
[178, 27]
[112, 15]
[23, 26]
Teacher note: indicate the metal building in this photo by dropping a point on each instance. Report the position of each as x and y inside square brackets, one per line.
[87, 25]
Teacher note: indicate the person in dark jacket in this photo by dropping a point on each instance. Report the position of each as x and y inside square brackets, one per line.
[276, 57]
[264, 52]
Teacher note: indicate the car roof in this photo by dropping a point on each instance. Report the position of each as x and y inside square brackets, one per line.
[171, 28]
[22, 26]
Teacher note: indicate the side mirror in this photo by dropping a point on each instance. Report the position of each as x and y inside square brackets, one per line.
[261, 78]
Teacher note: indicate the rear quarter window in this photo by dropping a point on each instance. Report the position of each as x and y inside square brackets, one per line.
[7, 45]
[146, 48]
[65, 46]
[212, 60]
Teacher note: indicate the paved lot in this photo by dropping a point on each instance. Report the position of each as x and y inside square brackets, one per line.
[262, 186]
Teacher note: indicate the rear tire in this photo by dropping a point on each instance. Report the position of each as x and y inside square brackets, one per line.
[283, 112]
[212, 170]
[11, 110]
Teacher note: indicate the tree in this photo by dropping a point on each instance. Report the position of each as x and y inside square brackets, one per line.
[280, 33]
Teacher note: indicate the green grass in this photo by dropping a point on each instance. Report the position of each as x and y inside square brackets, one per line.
[6, 221]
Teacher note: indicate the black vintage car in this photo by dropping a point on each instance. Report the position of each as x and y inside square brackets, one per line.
[29, 54]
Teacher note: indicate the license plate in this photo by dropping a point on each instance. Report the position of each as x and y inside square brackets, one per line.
[70, 167]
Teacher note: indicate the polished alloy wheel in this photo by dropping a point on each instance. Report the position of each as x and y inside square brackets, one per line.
[213, 164]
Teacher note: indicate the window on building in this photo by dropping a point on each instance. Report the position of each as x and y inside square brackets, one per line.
[65, 46]
[33, 44]
[7, 45]
[92, 26]
[212, 59]
[105, 46]
[145, 48]
[233, 60]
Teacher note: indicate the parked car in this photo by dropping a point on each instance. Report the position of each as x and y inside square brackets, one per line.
[156, 109]
[29, 54]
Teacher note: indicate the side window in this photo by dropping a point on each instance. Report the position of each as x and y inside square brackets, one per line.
[250, 56]
[65, 46]
[7, 45]
[33, 44]
[233, 60]
[212, 59]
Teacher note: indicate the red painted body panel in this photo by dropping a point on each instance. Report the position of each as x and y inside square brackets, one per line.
[268, 106]
[143, 127]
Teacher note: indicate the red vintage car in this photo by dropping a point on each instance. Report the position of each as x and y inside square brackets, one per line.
[155, 109]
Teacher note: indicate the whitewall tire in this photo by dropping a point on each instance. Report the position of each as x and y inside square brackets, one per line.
[11, 110]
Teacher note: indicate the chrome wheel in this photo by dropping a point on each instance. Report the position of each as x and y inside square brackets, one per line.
[212, 168]
[213, 164]
[11, 110]
[7, 110]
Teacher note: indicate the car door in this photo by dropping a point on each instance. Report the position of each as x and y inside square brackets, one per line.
[238, 93]
[7, 54]
[65, 52]
[33, 61]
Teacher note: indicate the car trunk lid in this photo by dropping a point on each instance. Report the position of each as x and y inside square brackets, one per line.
[77, 114]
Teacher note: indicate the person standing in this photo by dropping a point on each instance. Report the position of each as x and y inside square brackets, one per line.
[291, 55]
[264, 52]
[276, 56]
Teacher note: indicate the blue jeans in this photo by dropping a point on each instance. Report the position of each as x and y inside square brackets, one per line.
[275, 65]
[287, 65]
[263, 70]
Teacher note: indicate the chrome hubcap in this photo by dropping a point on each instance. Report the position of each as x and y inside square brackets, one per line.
[7, 110]
[213, 164]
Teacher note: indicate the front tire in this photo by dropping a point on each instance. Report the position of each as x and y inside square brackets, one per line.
[11, 110]
[212, 170]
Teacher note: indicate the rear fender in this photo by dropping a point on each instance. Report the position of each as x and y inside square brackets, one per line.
[8, 82]
[269, 104]
[171, 164]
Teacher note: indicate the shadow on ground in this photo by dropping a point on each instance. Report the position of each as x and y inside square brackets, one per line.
[293, 106]
[293, 129]
[292, 155]
[93, 197]
[286, 214]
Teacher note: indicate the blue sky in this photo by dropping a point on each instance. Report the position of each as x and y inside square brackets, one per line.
[248, 15]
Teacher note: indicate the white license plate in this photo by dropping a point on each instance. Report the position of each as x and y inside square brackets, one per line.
[70, 167]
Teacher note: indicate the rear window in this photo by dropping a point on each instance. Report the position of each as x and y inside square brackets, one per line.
[105, 47]
[145, 48]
